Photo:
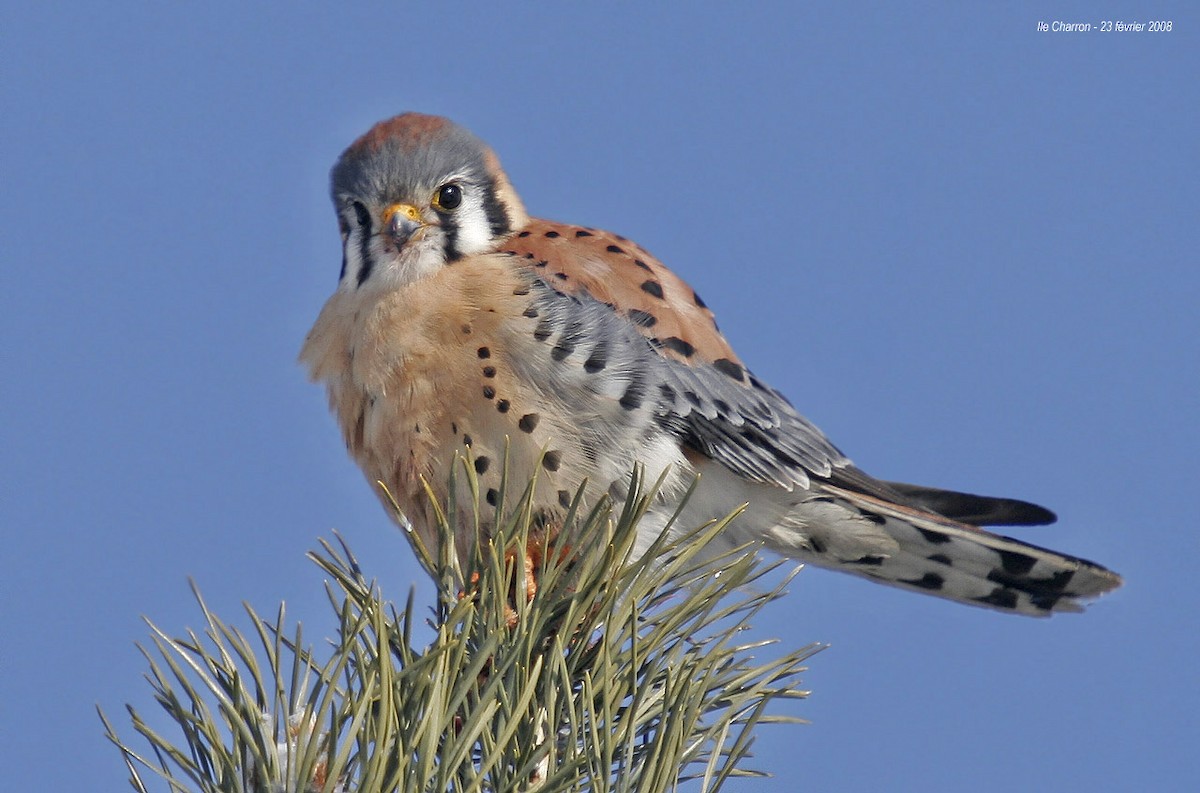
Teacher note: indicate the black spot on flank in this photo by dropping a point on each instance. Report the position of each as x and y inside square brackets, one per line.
[489, 371]
[632, 398]
[552, 460]
[927, 581]
[941, 558]
[484, 352]
[521, 290]
[869, 560]
[453, 428]
[1016, 563]
[561, 276]
[529, 422]
[552, 234]
[528, 255]
[492, 496]
[815, 545]
[598, 359]
[667, 392]
[643, 265]
[488, 392]
[933, 537]
[731, 369]
[481, 464]
[467, 440]
[615, 249]
[642, 318]
[564, 499]
[530, 312]
[543, 330]
[722, 407]
[502, 405]
[692, 397]
[1004, 598]
[652, 287]
[582, 233]
[698, 301]
[678, 345]
[542, 263]
[564, 348]
[524, 233]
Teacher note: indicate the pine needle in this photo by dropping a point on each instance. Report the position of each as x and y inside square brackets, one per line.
[618, 674]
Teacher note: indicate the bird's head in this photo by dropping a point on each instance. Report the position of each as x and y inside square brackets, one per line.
[414, 194]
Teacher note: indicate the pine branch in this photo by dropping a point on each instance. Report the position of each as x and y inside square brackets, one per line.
[590, 679]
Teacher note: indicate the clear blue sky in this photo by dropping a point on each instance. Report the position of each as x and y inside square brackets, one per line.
[966, 249]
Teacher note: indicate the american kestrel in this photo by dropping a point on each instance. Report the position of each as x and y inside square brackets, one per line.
[459, 321]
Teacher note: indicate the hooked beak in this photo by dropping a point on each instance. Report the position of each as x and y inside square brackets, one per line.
[402, 221]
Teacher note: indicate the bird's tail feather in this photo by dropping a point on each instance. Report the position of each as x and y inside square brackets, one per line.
[972, 509]
[939, 556]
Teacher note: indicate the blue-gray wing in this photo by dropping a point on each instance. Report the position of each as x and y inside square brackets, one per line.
[731, 417]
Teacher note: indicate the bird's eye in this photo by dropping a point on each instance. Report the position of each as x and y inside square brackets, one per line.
[448, 197]
[360, 211]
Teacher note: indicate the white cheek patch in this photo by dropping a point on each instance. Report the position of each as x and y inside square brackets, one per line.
[474, 231]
